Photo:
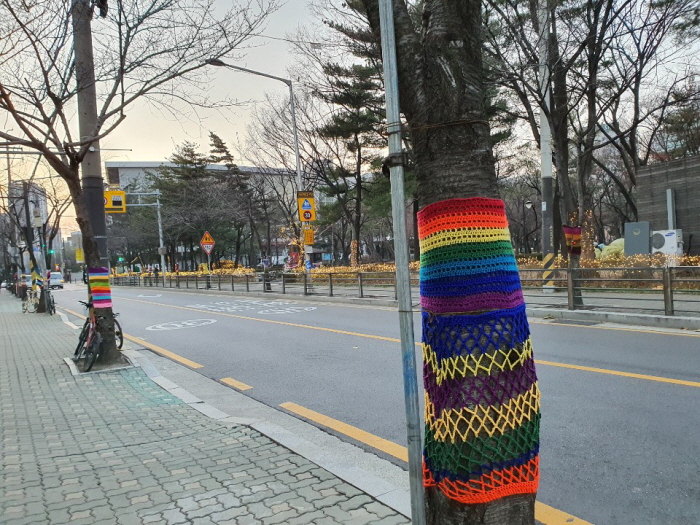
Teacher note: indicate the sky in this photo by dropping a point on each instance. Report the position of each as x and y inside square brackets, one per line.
[146, 135]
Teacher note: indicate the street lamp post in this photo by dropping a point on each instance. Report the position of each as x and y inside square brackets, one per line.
[221, 63]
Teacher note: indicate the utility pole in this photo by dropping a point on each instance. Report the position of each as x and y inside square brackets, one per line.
[545, 149]
[403, 283]
[91, 166]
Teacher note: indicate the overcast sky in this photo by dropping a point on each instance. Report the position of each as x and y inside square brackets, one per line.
[151, 136]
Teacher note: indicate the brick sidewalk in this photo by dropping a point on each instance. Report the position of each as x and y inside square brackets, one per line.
[115, 448]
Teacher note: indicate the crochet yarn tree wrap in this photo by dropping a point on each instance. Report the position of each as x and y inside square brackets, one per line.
[482, 402]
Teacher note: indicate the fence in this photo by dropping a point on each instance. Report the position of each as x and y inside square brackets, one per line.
[668, 291]
[374, 285]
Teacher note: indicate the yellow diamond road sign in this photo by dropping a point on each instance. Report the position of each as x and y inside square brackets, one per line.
[306, 206]
[207, 243]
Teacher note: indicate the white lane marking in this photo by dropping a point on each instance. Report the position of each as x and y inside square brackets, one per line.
[177, 325]
[156, 295]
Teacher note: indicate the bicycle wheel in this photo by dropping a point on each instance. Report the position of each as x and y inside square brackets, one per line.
[25, 304]
[32, 303]
[92, 351]
[118, 334]
[81, 340]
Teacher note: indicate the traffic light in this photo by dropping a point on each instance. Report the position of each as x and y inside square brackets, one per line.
[51, 252]
[120, 259]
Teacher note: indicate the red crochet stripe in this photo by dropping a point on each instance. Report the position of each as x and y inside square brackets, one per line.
[476, 212]
[523, 479]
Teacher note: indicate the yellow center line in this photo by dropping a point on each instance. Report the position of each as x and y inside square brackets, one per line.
[150, 346]
[395, 340]
[622, 374]
[543, 513]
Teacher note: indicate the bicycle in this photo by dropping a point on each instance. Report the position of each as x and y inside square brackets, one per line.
[83, 345]
[89, 341]
[50, 303]
[30, 303]
[118, 333]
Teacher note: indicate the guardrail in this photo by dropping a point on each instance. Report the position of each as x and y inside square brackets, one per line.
[668, 291]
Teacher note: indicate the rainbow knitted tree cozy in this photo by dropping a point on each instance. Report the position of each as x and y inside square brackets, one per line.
[482, 402]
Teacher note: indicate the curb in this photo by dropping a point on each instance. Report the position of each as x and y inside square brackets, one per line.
[646, 320]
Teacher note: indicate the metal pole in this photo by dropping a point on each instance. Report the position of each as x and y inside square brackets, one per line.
[296, 135]
[403, 283]
[160, 237]
[221, 63]
[545, 148]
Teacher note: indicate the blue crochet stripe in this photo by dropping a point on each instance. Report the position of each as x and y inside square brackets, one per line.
[469, 266]
[471, 285]
[498, 328]
[485, 469]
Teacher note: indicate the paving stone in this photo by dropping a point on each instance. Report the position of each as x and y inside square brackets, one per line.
[395, 519]
[228, 514]
[280, 517]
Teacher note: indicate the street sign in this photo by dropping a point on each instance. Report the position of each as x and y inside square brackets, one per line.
[308, 236]
[115, 201]
[207, 243]
[306, 205]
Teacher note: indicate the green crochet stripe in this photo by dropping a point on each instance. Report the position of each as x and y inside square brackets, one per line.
[466, 251]
[465, 457]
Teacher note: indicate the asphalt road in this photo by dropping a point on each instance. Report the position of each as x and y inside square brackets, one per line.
[616, 448]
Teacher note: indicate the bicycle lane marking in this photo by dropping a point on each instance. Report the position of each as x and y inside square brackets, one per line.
[155, 348]
[618, 373]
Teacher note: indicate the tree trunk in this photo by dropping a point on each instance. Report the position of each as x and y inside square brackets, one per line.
[478, 362]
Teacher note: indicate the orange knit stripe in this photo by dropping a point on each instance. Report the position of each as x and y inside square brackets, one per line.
[477, 221]
[523, 479]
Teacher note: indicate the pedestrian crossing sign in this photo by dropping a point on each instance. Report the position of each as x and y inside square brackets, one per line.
[307, 208]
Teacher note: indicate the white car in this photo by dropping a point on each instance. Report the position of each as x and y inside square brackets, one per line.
[56, 280]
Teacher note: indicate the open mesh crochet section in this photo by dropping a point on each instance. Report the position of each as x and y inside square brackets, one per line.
[482, 401]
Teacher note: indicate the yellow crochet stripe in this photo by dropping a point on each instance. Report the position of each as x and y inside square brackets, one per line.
[462, 424]
[476, 364]
[463, 235]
